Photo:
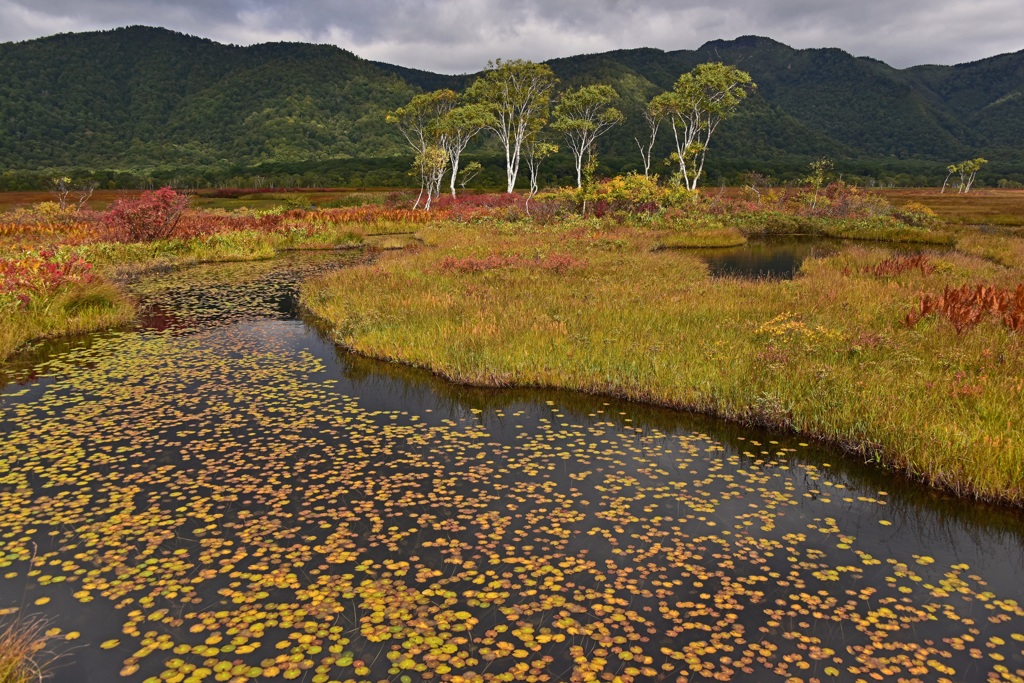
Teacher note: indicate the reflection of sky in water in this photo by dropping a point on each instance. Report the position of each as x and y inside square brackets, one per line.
[239, 468]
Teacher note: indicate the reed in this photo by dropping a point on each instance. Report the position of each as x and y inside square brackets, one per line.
[24, 657]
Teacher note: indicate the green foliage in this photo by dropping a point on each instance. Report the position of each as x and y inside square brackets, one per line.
[698, 102]
[426, 125]
[468, 172]
[583, 115]
[819, 174]
[967, 172]
[142, 107]
[140, 97]
[518, 95]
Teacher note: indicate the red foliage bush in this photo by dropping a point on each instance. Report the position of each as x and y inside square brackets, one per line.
[200, 224]
[466, 208]
[473, 264]
[150, 216]
[561, 263]
[895, 265]
[40, 275]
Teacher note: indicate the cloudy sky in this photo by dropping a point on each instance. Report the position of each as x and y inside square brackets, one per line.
[457, 36]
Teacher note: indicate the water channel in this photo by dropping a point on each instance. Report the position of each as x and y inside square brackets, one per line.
[221, 494]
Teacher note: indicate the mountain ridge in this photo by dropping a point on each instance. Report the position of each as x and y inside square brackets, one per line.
[145, 97]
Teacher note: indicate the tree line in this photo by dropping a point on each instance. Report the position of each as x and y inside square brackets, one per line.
[516, 101]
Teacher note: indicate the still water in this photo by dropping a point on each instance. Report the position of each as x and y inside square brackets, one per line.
[221, 494]
[780, 258]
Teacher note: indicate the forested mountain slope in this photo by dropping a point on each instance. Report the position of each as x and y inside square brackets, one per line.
[146, 97]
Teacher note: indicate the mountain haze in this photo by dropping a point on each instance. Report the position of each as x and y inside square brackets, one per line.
[140, 97]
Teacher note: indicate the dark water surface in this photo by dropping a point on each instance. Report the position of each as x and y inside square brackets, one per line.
[780, 258]
[222, 495]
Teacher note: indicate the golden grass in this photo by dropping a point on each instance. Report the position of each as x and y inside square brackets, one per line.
[979, 207]
[78, 309]
[826, 354]
[23, 656]
[1004, 250]
[721, 237]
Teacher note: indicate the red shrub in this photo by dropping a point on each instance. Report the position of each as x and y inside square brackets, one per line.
[967, 306]
[468, 207]
[895, 265]
[561, 263]
[473, 264]
[150, 216]
[39, 275]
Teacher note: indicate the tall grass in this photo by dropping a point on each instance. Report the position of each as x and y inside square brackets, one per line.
[78, 309]
[23, 652]
[827, 354]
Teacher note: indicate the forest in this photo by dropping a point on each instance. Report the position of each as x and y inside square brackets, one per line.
[146, 107]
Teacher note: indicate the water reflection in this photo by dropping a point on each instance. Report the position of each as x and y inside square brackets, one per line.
[780, 258]
[777, 258]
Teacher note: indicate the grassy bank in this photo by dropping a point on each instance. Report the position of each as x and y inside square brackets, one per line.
[73, 310]
[39, 305]
[600, 310]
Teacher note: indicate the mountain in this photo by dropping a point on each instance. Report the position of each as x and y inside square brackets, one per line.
[144, 98]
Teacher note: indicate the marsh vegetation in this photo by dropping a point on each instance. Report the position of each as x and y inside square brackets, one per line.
[216, 492]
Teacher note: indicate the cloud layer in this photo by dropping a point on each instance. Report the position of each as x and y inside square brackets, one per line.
[456, 36]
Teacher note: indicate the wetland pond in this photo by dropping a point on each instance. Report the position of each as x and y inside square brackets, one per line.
[221, 494]
[780, 258]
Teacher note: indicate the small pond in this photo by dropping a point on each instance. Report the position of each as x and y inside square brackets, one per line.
[780, 258]
[221, 494]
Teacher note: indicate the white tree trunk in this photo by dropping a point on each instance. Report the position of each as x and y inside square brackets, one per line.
[455, 172]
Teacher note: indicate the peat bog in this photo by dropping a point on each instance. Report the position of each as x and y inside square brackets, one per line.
[221, 494]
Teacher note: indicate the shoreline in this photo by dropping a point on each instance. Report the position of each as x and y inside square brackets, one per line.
[844, 372]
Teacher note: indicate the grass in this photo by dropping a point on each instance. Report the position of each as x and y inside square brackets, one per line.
[120, 260]
[715, 238]
[827, 354]
[1006, 251]
[23, 656]
[979, 207]
[80, 308]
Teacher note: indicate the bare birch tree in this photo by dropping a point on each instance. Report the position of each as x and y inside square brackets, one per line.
[535, 152]
[655, 112]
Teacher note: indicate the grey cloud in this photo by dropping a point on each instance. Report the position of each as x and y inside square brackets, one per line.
[461, 35]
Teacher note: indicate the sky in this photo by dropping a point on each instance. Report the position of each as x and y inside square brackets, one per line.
[460, 36]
